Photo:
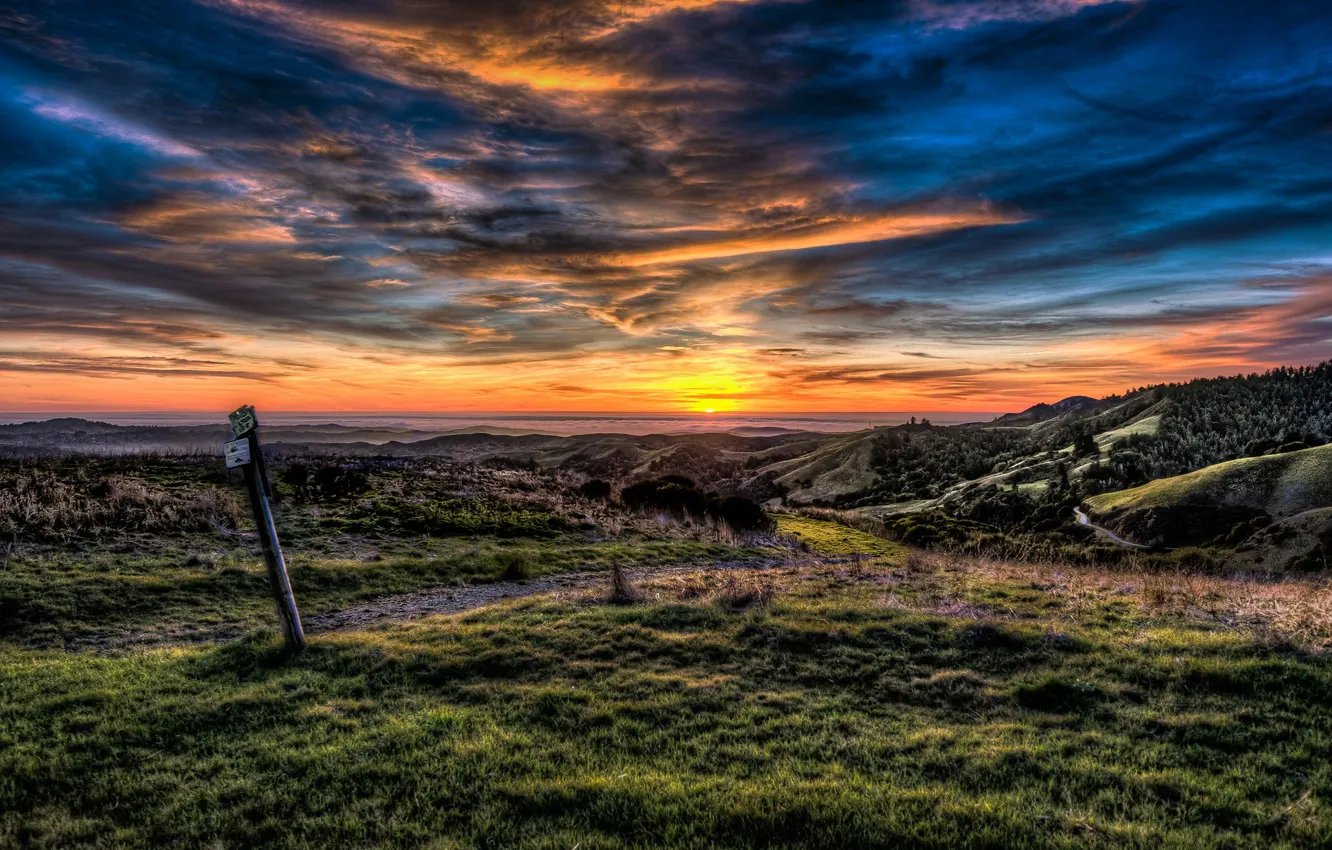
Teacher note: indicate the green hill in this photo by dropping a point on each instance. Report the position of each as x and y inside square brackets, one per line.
[1274, 509]
[1280, 485]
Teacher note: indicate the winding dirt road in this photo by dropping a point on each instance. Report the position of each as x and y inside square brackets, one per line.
[1083, 520]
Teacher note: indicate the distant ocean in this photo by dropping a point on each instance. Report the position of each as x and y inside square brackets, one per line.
[555, 423]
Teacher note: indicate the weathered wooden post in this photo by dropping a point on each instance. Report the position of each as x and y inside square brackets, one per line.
[244, 451]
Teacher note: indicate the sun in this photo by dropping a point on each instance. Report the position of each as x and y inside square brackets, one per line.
[708, 410]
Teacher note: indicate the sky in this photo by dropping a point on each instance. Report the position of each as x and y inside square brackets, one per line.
[656, 205]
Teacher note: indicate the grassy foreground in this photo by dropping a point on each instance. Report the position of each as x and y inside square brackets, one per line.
[887, 702]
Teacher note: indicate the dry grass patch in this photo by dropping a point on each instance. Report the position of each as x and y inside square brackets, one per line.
[739, 593]
[623, 591]
[1272, 608]
[732, 590]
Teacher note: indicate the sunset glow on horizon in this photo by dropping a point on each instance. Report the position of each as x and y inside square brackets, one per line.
[677, 206]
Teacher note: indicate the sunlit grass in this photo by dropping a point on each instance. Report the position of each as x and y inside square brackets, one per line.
[830, 538]
[1283, 484]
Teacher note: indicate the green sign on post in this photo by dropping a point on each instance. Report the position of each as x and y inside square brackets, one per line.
[244, 452]
[243, 421]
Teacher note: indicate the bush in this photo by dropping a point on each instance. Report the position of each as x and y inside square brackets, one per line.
[673, 494]
[44, 505]
[594, 490]
[514, 566]
[677, 495]
[740, 514]
[324, 482]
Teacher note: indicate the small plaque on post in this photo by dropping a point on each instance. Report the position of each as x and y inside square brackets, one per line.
[243, 421]
[237, 453]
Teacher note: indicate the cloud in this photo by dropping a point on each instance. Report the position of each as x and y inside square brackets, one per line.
[122, 367]
[728, 187]
[962, 15]
[839, 232]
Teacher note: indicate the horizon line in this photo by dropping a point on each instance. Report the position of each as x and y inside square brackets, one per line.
[567, 414]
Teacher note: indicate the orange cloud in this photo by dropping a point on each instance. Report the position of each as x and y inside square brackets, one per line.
[838, 232]
[391, 50]
[205, 219]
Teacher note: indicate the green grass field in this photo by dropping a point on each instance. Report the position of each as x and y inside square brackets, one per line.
[914, 703]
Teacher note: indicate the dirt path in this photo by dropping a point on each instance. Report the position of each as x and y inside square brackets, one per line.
[1083, 520]
[456, 599]
[441, 599]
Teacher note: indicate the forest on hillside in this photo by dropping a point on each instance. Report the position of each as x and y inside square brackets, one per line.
[1210, 421]
[1202, 422]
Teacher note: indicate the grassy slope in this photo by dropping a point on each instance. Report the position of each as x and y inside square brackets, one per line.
[852, 713]
[1291, 543]
[1280, 484]
[1146, 426]
[838, 466]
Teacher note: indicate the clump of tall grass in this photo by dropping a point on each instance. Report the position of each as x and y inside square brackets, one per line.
[739, 593]
[515, 566]
[623, 591]
[731, 590]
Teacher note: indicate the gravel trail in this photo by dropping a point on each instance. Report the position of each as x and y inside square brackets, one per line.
[459, 598]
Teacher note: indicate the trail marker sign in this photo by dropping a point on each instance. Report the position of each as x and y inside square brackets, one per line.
[237, 453]
[243, 421]
[244, 452]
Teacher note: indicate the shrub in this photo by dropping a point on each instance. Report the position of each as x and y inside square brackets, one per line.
[514, 566]
[45, 505]
[677, 495]
[329, 482]
[740, 513]
[594, 490]
[674, 494]
[296, 478]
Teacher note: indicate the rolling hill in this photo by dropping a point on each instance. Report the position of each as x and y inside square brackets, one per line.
[1274, 508]
[1038, 413]
[1281, 485]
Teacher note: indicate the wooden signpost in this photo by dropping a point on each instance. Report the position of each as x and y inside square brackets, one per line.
[244, 452]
